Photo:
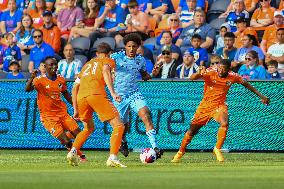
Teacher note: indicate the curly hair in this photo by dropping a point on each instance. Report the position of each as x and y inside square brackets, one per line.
[132, 37]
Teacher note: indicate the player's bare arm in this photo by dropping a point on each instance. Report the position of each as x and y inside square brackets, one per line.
[67, 96]
[264, 99]
[29, 85]
[145, 75]
[198, 74]
[108, 79]
[75, 90]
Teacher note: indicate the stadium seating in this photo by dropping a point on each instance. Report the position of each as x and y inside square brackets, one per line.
[81, 45]
[25, 63]
[151, 44]
[216, 23]
[3, 75]
[82, 58]
[108, 40]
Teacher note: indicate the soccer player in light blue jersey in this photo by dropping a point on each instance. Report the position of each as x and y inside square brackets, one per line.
[128, 66]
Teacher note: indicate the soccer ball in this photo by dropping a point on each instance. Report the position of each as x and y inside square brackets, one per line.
[148, 155]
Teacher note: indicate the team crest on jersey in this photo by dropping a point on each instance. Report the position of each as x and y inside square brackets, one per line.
[52, 131]
[228, 83]
[47, 87]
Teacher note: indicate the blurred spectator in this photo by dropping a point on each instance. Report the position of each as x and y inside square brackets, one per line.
[122, 3]
[200, 27]
[186, 11]
[158, 8]
[237, 12]
[49, 4]
[175, 50]
[214, 61]
[69, 67]
[24, 35]
[220, 38]
[188, 66]
[228, 51]
[42, 68]
[272, 72]
[51, 33]
[107, 24]
[243, 30]
[175, 28]
[200, 54]
[281, 5]
[11, 19]
[15, 73]
[269, 38]
[68, 17]
[3, 5]
[40, 51]
[12, 52]
[166, 66]
[249, 4]
[86, 26]
[251, 69]
[276, 51]
[137, 21]
[262, 16]
[2, 50]
[36, 13]
[149, 63]
[249, 44]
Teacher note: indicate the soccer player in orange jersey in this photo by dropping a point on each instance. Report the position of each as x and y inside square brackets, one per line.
[217, 84]
[53, 111]
[89, 95]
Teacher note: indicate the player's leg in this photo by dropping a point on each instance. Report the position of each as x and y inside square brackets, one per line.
[123, 108]
[221, 116]
[188, 136]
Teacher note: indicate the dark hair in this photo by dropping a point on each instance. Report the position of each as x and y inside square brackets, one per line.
[132, 3]
[226, 62]
[95, 10]
[230, 35]
[280, 29]
[104, 48]
[169, 32]
[196, 36]
[254, 55]
[38, 30]
[48, 57]
[273, 63]
[132, 37]
[22, 28]
[43, 6]
[253, 39]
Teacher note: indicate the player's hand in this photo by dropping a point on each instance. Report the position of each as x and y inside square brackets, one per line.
[34, 73]
[202, 70]
[265, 100]
[116, 97]
[76, 115]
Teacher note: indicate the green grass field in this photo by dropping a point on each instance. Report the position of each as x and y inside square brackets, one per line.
[48, 169]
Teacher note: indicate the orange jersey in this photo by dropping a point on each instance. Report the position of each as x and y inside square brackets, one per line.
[49, 99]
[91, 77]
[281, 5]
[270, 35]
[216, 88]
[37, 18]
[3, 5]
[239, 36]
[267, 13]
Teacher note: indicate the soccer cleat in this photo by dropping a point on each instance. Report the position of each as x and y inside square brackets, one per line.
[114, 163]
[218, 154]
[177, 157]
[72, 159]
[83, 158]
[124, 148]
[159, 152]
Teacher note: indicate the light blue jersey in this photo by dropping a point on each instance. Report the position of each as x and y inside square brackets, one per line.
[127, 71]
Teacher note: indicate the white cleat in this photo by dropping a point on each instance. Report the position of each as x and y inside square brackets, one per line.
[73, 159]
[114, 163]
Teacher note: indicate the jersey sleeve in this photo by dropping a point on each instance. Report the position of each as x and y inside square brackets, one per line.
[206, 75]
[36, 83]
[238, 79]
[110, 63]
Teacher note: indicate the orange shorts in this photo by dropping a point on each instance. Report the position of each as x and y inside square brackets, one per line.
[99, 104]
[203, 114]
[57, 125]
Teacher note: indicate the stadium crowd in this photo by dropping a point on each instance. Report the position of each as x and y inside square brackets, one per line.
[177, 36]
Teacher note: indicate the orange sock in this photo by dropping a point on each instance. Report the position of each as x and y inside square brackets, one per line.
[185, 141]
[221, 136]
[82, 137]
[115, 139]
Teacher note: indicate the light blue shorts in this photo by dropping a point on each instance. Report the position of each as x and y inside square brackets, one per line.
[134, 101]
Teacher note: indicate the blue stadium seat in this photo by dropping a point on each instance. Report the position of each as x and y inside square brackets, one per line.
[82, 58]
[151, 44]
[25, 63]
[120, 46]
[219, 6]
[81, 45]
[216, 23]
[3, 75]
[27, 75]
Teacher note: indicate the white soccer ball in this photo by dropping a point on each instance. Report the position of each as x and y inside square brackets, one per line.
[148, 155]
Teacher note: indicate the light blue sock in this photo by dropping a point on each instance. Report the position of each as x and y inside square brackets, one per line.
[152, 137]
